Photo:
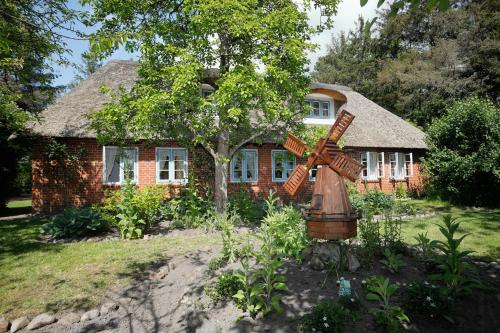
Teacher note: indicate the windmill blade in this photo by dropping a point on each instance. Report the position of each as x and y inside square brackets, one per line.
[294, 145]
[341, 124]
[296, 179]
[345, 166]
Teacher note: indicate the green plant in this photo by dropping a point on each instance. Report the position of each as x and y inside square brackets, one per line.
[400, 192]
[75, 222]
[216, 263]
[226, 287]
[390, 316]
[454, 270]
[242, 204]
[226, 222]
[393, 238]
[325, 317]
[130, 224]
[249, 296]
[288, 230]
[371, 240]
[392, 261]
[427, 255]
[428, 299]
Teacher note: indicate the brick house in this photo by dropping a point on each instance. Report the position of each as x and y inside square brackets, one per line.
[387, 145]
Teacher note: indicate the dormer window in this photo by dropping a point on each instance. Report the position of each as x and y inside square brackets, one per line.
[320, 109]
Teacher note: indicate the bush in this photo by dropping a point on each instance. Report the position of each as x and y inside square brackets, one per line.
[326, 317]
[463, 159]
[75, 222]
[242, 204]
[133, 210]
[288, 230]
[189, 210]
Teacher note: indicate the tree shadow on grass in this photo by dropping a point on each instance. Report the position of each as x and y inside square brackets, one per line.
[19, 237]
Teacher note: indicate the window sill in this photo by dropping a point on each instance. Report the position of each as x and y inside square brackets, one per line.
[171, 182]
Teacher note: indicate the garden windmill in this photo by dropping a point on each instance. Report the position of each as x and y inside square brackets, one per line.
[330, 215]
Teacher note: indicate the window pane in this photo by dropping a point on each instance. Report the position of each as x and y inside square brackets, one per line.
[278, 165]
[163, 164]
[250, 165]
[163, 175]
[290, 163]
[326, 109]
[129, 157]
[237, 167]
[316, 108]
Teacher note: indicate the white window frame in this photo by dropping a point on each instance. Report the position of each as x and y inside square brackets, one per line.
[366, 158]
[244, 179]
[286, 158]
[396, 157]
[122, 178]
[321, 110]
[171, 165]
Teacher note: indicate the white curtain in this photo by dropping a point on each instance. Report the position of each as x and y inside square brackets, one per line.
[109, 160]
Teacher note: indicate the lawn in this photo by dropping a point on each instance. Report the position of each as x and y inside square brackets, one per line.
[483, 224]
[36, 277]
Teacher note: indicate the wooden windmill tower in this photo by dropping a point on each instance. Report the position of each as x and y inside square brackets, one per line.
[331, 215]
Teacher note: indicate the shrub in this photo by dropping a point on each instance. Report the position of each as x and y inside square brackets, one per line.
[464, 153]
[133, 210]
[428, 299]
[326, 317]
[371, 239]
[289, 231]
[189, 209]
[392, 261]
[75, 222]
[242, 204]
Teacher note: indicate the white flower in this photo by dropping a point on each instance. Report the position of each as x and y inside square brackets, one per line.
[433, 305]
[352, 300]
[324, 318]
[313, 329]
[341, 277]
[404, 284]
[363, 282]
[434, 286]
[354, 279]
[326, 325]
[429, 298]
[426, 283]
[398, 283]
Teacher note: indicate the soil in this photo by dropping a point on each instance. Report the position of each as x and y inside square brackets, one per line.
[170, 298]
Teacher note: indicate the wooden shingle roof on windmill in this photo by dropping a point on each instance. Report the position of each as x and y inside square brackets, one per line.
[373, 126]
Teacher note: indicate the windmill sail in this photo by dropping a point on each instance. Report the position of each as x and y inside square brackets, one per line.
[296, 179]
[343, 121]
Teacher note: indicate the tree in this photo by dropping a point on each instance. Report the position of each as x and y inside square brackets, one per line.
[464, 153]
[253, 54]
[28, 41]
[90, 64]
[418, 62]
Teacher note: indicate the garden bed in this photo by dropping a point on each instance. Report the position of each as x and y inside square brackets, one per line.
[177, 302]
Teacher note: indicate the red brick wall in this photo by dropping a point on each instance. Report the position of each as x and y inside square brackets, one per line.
[51, 192]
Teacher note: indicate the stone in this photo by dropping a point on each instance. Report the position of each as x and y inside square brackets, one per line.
[89, 315]
[352, 262]
[41, 320]
[108, 307]
[18, 324]
[328, 252]
[4, 325]
[70, 318]
[106, 331]
[316, 263]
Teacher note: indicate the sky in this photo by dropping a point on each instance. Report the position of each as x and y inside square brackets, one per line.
[346, 19]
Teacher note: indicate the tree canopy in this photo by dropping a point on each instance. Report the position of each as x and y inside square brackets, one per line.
[251, 53]
[464, 153]
[417, 62]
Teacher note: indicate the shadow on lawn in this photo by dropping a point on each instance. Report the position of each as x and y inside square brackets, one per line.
[19, 237]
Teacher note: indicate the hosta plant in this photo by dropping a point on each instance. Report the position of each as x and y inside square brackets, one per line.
[327, 317]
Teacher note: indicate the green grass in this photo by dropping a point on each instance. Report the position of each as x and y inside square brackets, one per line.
[17, 207]
[37, 277]
[483, 224]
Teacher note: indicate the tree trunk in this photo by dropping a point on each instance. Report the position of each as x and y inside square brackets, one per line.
[221, 172]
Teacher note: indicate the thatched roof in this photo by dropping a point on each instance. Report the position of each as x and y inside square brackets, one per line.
[373, 126]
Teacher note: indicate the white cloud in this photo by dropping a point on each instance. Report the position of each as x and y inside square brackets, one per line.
[345, 20]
